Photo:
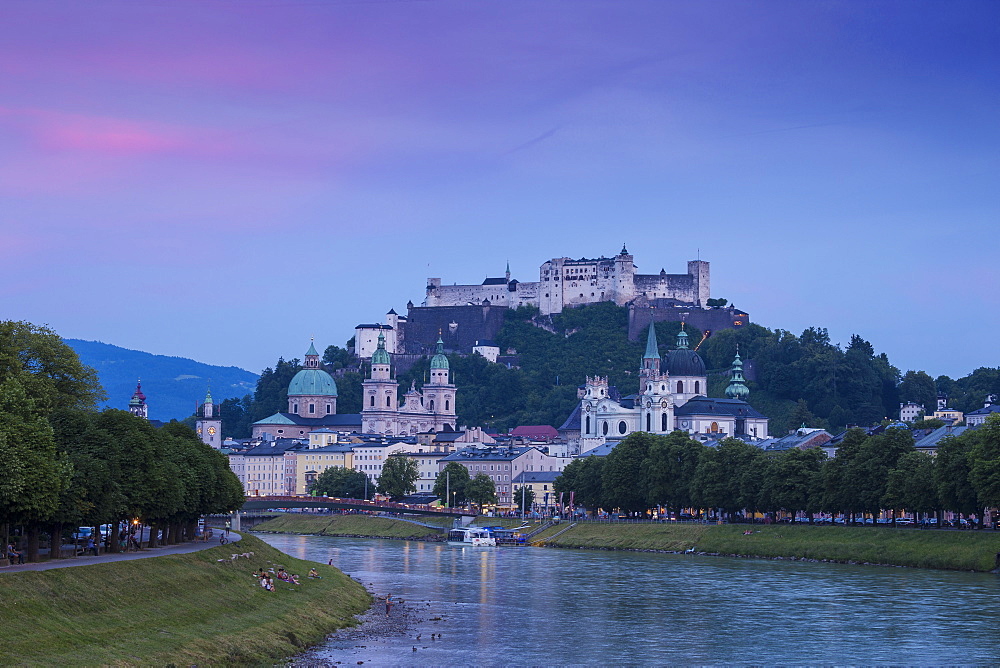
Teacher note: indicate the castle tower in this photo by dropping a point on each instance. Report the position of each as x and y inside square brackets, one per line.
[379, 414]
[208, 425]
[137, 404]
[737, 389]
[624, 286]
[312, 392]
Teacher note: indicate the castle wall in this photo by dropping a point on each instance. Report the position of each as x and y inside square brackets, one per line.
[665, 310]
[460, 327]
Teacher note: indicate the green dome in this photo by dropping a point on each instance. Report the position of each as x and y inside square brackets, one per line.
[440, 360]
[312, 382]
[381, 355]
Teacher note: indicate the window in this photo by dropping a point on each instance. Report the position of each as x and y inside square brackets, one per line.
[312, 408]
[649, 419]
[432, 404]
[446, 404]
[680, 387]
[696, 390]
[622, 427]
[587, 430]
[663, 422]
[388, 402]
[329, 408]
[372, 402]
[604, 428]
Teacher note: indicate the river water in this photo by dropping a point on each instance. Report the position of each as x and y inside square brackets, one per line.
[536, 606]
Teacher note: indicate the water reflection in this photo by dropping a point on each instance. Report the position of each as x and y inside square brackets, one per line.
[533, 606]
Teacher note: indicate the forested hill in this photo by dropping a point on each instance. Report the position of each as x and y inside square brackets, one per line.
[793, 379]
[172, 385]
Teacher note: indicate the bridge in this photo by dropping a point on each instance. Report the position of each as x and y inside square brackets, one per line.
[268, 502]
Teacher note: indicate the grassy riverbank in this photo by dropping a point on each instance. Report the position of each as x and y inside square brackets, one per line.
[951, 550]
[180, 609]
[346, 525]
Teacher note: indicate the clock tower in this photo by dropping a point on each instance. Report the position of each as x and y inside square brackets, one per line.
[209, 424]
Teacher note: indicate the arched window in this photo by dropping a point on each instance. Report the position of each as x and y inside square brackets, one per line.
[432, 404]
[663, 422]
[587, 429]
[372, 402]
[696, 390]
[388, 402]
[295, 408]
[680, 387]
[714, 428]
[622, 427]
[649, 419]
[604, 428]
[447, 405]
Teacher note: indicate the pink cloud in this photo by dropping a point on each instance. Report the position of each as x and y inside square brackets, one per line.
[61, 131]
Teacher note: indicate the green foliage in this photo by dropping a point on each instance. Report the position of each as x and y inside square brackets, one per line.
[585, 477]
[918, 387]
[398, 477]
[932, 423]
[453, 480]
[524, 498]
[341, 482]
[985, 455]
[481, 490]
[717, 302]
[626, 478]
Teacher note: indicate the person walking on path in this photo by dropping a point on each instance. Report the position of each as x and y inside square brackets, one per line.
[228, 524]
[388, 604]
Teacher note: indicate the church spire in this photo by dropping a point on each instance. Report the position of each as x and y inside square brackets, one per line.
[737, 389]
[652, 350]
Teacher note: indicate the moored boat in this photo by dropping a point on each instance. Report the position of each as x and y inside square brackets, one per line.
[471, 537]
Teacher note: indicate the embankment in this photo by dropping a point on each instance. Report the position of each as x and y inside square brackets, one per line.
[950, 550]
[179, 609]
[348, 526]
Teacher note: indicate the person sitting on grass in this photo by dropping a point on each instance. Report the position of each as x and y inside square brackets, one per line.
[314, 575]
[294, 579]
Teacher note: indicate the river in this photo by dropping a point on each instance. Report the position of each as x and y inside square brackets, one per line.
[535, 606]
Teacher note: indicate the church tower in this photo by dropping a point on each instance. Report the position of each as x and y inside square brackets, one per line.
[379, 393]
[655, 403]
[137, 404]
[737, 389]
[439, 393]
[209, 425]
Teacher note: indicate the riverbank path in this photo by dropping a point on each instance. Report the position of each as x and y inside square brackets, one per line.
[145, 553]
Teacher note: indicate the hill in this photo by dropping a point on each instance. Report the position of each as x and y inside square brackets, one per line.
[173, 385]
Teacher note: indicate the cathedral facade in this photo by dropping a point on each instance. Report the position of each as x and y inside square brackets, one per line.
[669, 398]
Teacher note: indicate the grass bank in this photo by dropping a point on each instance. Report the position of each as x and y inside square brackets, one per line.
[347, 525]
[950, 550]
[178, 609]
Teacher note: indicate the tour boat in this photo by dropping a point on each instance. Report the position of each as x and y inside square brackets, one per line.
[471, 537]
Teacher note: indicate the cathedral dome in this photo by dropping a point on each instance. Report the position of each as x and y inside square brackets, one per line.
[685, 363]
[312, 382]
[440, 360]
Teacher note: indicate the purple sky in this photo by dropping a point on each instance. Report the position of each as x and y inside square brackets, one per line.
[222, 180]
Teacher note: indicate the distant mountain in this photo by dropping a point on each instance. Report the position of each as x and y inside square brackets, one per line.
[173, 386]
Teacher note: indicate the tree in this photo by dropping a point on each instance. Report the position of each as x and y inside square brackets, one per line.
[671, 466]
[719, 479]
[481, 490]
[454, 480]
[985, 457]
[952, 475]
[341, 482]
[910, 484]
[792, 481]
[870, 469]
[398, 477]
[626, 482]
[717, 302]
[524, 498]
[584, 478]
[919, 388]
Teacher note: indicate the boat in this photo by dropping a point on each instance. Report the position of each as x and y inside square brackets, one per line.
[471, 537]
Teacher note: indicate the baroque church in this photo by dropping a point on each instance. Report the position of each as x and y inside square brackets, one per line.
[312, 401]
[669, 398]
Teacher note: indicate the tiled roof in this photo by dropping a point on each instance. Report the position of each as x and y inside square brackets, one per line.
[729, 407]
[342, 420]
[537, 476]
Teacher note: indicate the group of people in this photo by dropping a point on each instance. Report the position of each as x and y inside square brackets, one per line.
[268, 577]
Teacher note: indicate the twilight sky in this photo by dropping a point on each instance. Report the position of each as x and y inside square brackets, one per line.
[222, 180]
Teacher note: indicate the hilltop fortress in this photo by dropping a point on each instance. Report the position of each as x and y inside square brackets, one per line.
[468, 317]
[563, 282]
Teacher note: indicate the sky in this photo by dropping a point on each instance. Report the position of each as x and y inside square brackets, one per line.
[223, 180]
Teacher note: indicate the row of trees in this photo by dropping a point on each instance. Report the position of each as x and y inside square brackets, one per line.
[453, 485]
[869, 474]
[67, 465]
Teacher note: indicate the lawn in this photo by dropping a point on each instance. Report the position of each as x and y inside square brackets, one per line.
[346, 525]
[952, 550]
[177, 609]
